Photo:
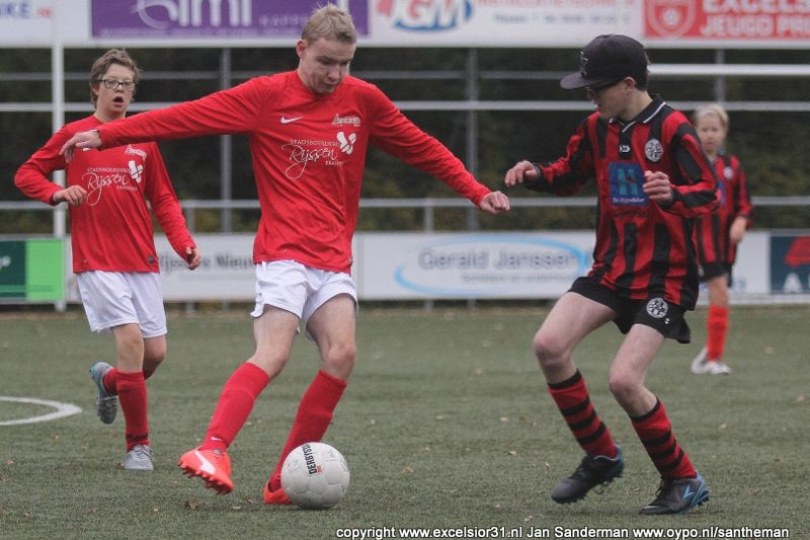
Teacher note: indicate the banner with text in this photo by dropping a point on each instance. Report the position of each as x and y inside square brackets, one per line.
[753, 22]
[498, 265]
[406, 23]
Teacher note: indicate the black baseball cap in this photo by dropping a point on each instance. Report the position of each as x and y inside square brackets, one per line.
[608, 58]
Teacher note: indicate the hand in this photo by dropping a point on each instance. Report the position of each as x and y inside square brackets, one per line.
[83, 139]
[494, 203]
[193, 258]
[738, 228]
[522, 171]
[73, 195]
[657, 187]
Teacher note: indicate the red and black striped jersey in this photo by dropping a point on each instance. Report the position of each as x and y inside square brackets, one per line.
[642, 248]
[713, 230]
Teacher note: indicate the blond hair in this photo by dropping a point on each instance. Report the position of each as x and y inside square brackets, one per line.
[330, 23]
[103, 63]
[711, 109]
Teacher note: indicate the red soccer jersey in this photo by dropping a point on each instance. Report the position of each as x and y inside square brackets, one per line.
[309, 153]
[642, 248]
[112, 231]
[713, 231]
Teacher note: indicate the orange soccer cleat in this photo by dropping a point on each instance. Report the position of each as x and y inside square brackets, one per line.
[274, 497]
[213, 466]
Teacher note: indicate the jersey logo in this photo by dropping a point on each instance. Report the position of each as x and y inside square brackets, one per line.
[347, 143]
[350, 120]
[653, 150]
[290, 119]
[626, 180]
[135, 171]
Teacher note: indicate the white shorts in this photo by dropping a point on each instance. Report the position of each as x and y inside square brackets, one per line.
[115, 298]
[299, 289]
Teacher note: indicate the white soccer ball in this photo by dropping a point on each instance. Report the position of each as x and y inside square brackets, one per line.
[315, 476]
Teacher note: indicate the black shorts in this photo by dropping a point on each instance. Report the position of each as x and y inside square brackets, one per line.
[654, 312]
[712, 270]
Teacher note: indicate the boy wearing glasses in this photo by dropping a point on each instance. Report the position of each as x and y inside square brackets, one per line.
[114, 256]
[653, 180]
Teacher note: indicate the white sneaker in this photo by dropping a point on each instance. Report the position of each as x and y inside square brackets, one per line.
[138, 459]
[718, 367]
[699, 363]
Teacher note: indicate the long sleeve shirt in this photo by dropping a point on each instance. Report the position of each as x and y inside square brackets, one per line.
[642, 247]
[112, 231]
[308, 152]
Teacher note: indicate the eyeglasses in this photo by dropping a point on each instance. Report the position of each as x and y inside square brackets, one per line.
[112, 84]
[593, 91]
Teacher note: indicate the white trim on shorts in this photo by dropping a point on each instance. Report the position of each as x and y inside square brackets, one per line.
[297, 288]
[114, 298]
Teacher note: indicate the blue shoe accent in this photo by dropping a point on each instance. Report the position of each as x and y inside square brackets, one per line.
[677, 496]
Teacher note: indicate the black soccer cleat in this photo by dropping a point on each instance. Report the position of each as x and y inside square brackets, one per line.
[677, 496]
[593, 471]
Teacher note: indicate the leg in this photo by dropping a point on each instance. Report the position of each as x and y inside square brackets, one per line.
[682, 487]
[274, 331]
[572, 318]
[131, 389]
[710, 358]
[332, 326]
[717, 325]
[629, 369]
[154, 352]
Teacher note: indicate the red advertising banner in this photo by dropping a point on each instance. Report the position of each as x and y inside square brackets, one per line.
[719, 20]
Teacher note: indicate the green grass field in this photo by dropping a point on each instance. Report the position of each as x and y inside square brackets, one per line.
[446, 424]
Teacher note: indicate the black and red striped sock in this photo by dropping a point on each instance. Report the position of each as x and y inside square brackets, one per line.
[655, 431]
[574, 402]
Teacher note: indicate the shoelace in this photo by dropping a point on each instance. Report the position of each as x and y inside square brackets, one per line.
[141, 453]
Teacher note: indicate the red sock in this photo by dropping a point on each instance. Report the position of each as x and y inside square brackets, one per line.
[655, 432]
[574, 402]
[314, 415]
[110, 381]
[716, 330]
[131, 390]
[234, 406]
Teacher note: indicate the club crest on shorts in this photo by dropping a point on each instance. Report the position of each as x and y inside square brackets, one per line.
[657, 308]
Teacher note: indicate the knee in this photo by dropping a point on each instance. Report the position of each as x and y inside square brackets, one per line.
[340, 359]
[623, 387]
[153, 354]
[152, 363]
[549, 351]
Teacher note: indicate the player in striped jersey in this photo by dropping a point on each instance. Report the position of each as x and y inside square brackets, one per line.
[653, 180]
[719, 234]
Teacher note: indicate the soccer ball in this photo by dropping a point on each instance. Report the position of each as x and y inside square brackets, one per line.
[315, 476]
